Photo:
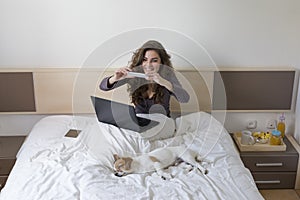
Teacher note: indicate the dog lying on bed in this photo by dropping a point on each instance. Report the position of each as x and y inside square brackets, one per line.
[157, 160]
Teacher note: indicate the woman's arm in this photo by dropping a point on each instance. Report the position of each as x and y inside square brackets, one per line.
[180, 94]
[106, 86]
[116, 80]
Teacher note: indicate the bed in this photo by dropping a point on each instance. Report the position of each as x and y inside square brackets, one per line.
[52, 166]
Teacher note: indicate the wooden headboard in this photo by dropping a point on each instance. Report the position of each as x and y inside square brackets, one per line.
[65, 91]
[68, 90]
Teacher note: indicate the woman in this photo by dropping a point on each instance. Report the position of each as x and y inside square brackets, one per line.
[152, 93]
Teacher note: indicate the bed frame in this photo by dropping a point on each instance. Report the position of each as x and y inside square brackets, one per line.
[68, 91]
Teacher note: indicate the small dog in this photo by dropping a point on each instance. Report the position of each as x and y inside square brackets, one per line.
[157, 160]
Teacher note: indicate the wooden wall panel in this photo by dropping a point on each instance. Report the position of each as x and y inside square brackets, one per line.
[86, 85]
[53, 91]
[199, 86]
[64, 91]
[253, 90]
[16, 92]
[69, 91]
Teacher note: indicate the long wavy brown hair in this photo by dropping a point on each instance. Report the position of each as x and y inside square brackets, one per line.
[138, 87]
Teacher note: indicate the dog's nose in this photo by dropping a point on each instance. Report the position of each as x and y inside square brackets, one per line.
[118, 175]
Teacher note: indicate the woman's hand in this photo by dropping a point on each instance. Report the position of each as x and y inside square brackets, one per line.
[119, 75]
[154, 76]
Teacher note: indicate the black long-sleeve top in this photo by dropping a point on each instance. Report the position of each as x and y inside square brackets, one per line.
[148, 105]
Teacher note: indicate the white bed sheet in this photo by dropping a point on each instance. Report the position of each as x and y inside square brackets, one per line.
[51, 166]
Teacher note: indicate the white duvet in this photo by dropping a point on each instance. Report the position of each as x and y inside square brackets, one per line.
[51, 166]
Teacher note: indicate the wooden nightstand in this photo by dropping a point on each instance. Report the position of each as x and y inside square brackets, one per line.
[273, 169]
[9, 147]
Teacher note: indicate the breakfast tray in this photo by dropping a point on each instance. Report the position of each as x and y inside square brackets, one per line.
[257, 146]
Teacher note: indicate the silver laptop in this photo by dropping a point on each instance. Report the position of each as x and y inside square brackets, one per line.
[120, 115]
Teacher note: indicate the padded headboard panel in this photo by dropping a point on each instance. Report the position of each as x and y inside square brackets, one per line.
[254, 90]
[16, 92]
[63, 91]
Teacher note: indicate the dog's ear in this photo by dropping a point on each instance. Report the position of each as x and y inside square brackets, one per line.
[128, 162]
[116, 157]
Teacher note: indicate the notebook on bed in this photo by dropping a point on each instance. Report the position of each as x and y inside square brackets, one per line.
[120, 115]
